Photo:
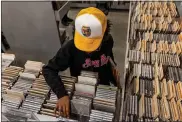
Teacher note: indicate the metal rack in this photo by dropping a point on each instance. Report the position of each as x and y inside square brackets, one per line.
[126, 65]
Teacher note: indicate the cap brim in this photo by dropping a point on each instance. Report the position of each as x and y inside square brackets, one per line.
[86, 44]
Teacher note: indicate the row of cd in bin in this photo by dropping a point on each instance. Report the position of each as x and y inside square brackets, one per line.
[32, 94]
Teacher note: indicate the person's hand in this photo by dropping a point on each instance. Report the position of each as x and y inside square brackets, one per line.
[63, 106]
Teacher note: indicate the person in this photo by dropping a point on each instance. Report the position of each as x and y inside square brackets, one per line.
[90, 50]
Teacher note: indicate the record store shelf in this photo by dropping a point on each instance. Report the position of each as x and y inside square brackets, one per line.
[153, 86]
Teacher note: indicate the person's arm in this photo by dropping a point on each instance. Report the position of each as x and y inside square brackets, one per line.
[60, 62]
[112, 44]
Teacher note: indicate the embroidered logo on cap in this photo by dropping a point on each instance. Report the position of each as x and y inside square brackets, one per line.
[86, 31]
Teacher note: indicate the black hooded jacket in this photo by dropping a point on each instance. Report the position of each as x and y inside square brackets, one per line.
[77, 60]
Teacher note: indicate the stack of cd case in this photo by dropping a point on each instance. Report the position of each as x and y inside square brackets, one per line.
[7, 60]
[49, 105]
[36, 95]
[12, 98]
[81, 105]
[24, 82]
[12, 114]
[84, 93]
[130, 108]
[101, 116]
[33, 67]
[174, 74]
[86, 84]
[105, 98]
[9, 76]
[69, 84]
